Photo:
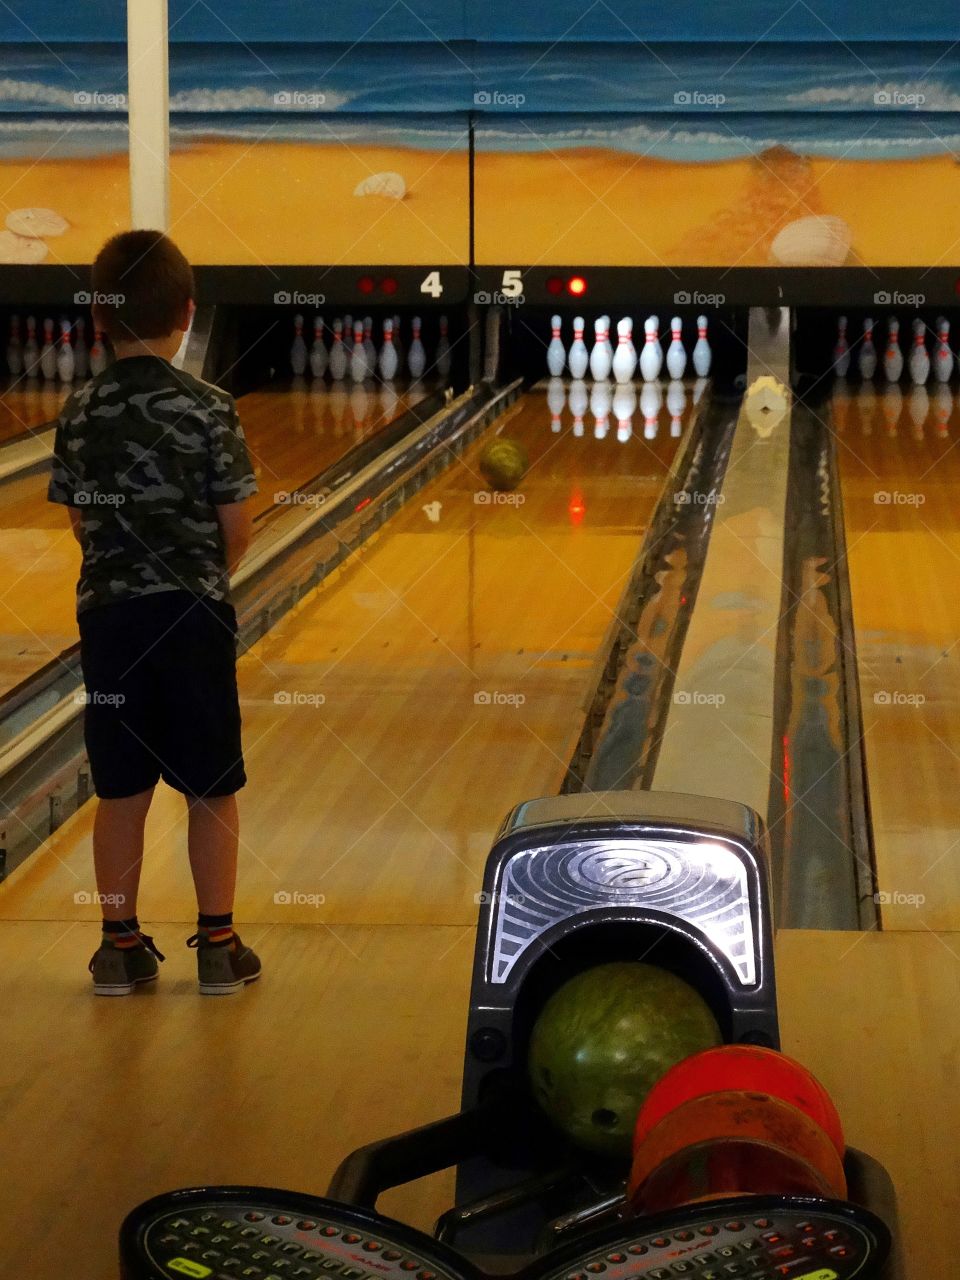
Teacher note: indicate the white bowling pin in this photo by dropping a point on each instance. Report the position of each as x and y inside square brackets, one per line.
[31, 352]
[600, 399]
[606, 337]
[81, 355]
[388, 353]
[339, 360]
[841, 351]
[943, 357]
[625, 356]
[443, 360]
[416, 356]
[624, 407]
[298, 352]
[893, 357]
[867, 359]
[14, 348]
[600, 359]
[359, 369]
[98, 353]
[919, 358]
[370, 351]
[676, 353]
[556, 355]
[651, 398]
[318, 352]
[48, 352]
[397, 341]
[676, 404]
[702, 355]
[66, 365]
[556, 399]
[650, 361]
[578, 401]
[578, 358]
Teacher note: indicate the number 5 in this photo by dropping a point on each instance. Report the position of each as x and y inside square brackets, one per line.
[512, 285]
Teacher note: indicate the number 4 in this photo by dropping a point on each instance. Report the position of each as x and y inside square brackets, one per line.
[432, 285]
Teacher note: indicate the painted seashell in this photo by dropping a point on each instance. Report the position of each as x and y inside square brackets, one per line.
[382, 184]
[21, 250]
[819, 241]
[36, 222]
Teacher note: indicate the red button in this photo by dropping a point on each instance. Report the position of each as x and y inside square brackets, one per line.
[372, 1246]
[330, 1231]
[736, 1226]
[841, 1251]
[785, 1251]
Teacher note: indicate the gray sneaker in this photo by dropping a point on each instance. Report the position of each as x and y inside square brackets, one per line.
[223, 968]
[118, 970]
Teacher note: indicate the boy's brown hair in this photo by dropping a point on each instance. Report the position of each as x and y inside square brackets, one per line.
[142, 284]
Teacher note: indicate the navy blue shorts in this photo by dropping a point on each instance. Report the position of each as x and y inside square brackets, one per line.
[161, 685]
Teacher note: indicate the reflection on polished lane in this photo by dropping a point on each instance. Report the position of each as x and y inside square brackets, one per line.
[900, 476]
[29, 403]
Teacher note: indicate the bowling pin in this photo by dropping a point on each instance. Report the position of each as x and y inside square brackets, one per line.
[348, 331]
[943, 408]
[338, 360]
[556, 399]
[841, 352]
[318, 352]
[48, 352]
[556, 355]
[943, 357]
[14, 348]
[98, 353]
[81, 356]
[66, 365]
[443, 360]
[650, 361]
[676, 404]
[578, 358]
[651, 398]
[388, 353]
[624, 407]
[416, 356]
[578, 404]
[31, 352]
[397, 342]
[676, 354]
[918, 408]
[606, 337]
[359, 368]
[600, 360]
[298, 352]
[625, 356]
[600, 399]
[867, 359]
[919, 358]
[893, 357]
[369, 349]
[702, 355]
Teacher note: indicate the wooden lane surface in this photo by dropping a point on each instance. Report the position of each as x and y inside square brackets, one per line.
[294, 432]
[355, 1033]
[29, 403]
[394, 717]
[900, 478]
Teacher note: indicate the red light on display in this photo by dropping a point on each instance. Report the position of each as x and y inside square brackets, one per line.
[577, 286]
[366, 284]
[388, 285]
[554, 285]
[577, 507]
[365, 502]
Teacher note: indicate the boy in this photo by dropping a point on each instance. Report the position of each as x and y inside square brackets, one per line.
[152, 466]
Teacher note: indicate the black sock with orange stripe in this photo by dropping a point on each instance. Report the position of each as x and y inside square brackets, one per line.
[215, 931]
[122, 934]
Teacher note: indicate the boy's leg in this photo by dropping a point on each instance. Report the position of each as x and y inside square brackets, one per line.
[118, 852]
[213, 840]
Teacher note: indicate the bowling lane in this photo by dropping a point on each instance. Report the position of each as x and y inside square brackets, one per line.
[398, 713]
[900, 478]
[293, 432]
[29, 403]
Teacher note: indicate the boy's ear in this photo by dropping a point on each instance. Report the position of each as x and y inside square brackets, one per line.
[183, 324]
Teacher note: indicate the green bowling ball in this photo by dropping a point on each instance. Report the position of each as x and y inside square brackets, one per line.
[603, 1040]
[503, 464]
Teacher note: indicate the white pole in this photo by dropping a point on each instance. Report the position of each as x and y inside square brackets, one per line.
[148, 113]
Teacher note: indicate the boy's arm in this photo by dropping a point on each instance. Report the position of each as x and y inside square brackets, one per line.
[236, 529]
[231, 483]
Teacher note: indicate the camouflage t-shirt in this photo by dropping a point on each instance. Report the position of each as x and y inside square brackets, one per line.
[146, 452]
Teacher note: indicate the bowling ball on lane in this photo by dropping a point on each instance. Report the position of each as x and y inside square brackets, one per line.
[603, 1040]
[503, 464]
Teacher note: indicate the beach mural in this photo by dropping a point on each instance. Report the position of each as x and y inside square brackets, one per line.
[298, 136]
